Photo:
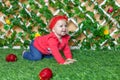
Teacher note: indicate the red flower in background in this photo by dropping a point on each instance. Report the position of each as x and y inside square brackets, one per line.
[11, 58]
[110, 10]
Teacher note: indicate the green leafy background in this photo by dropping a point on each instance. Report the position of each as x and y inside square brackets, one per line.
[27, 15]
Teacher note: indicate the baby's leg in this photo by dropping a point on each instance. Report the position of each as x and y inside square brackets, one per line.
[33, 54]
[48, 56]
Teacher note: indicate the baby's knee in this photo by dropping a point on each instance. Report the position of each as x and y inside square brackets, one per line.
[36, 58]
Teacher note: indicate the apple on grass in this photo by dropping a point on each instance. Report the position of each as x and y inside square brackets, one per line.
[45, 74]
[11, 57]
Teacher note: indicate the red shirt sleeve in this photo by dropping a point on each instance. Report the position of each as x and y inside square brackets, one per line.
[67, 51]
[53, 44]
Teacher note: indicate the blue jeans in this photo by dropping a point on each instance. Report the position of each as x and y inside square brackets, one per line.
[34, 54]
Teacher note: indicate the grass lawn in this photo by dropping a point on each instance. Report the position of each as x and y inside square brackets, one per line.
[90, 65]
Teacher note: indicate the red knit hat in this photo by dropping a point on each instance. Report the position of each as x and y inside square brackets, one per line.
[55, 19]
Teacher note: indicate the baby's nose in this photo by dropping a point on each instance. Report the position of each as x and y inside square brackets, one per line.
[64, 29]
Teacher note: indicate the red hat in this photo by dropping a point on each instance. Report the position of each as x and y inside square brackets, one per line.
[55, 19]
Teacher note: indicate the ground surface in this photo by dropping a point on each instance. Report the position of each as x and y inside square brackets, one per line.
[90, 65]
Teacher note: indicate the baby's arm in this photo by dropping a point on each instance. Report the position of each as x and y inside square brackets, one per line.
[68, 55]
[67, 52]
[55, 51]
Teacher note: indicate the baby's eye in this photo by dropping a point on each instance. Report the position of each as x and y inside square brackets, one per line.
[61, 26]
[65, 25]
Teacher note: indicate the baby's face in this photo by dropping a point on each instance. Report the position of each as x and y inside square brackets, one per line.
[60, 28]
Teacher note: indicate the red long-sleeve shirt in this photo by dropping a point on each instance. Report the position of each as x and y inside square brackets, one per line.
[50, 41]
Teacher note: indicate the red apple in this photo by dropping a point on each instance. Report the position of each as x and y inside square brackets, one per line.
[45, 74]
[11, 58]
[110, 10]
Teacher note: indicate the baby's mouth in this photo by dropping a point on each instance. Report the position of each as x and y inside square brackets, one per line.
[63, 31]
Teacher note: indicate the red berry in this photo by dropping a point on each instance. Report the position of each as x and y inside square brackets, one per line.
[11, 58]
[110, 10]
[45, 74]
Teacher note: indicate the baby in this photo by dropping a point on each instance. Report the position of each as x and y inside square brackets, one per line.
[51, 44]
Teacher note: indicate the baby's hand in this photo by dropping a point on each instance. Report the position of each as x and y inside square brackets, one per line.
[66, 62]
[70, 60]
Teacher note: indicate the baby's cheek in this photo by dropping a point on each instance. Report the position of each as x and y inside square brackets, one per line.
[66, 31]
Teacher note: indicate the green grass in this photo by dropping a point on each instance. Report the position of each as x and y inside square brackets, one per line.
[90, 65]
